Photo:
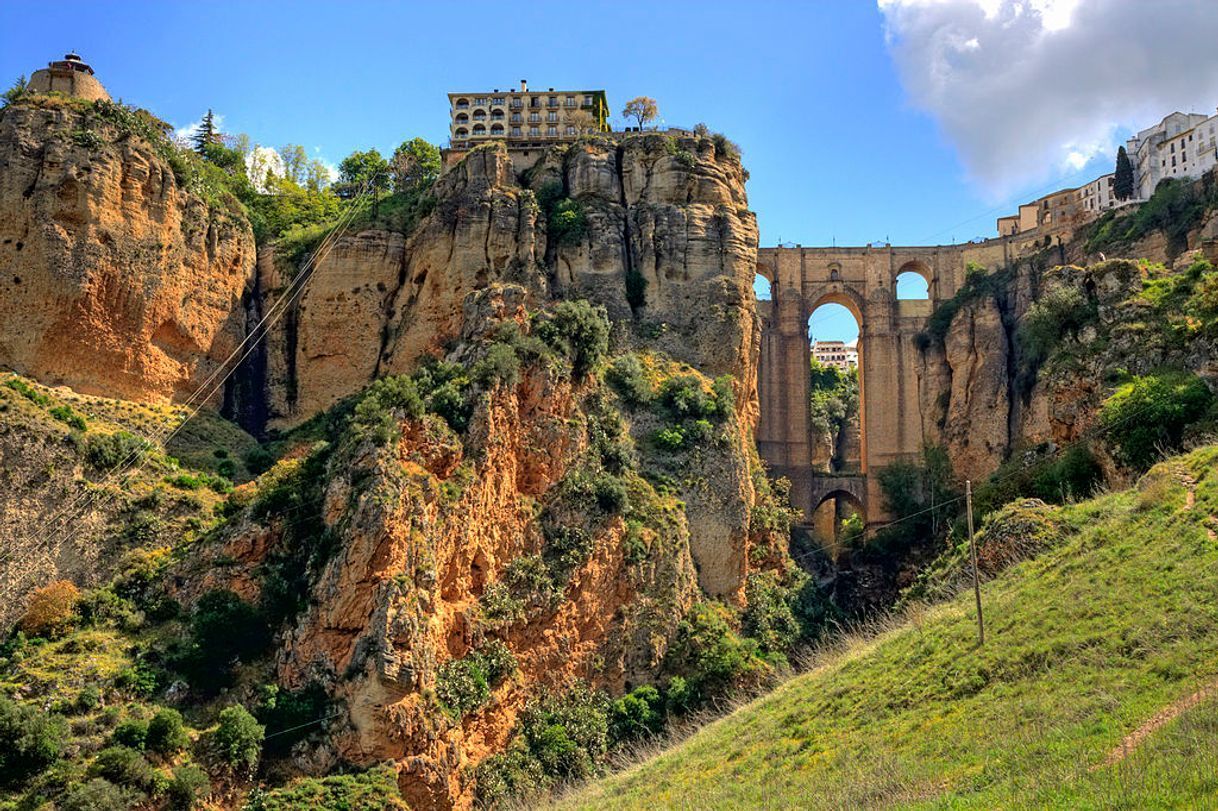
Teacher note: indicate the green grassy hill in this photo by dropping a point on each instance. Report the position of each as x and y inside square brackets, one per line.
[1105, 634]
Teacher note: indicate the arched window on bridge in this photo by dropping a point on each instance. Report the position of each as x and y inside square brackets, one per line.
[913, 282]
[761, 287]
[838, 522]
[834, 391]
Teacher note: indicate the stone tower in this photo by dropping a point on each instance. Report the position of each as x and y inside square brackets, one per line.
[70, 76]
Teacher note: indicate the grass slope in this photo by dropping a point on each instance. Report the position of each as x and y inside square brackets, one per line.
[1085, 643]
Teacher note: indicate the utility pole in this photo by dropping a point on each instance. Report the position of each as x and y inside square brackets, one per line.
[972, 546]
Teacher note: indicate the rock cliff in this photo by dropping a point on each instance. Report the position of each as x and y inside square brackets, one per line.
[116, 280]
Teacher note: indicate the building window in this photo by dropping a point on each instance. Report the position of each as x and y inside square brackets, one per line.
[480, 101]
[534, 131]
[535, 101]
[497, 100]
[516, 118]
[534, 116]
[551, 116]
[515, 132]
[587, 101]
[462, 132]
[462, 104]
[479, 115]
[570, 101]
[553, 101]
[570, 130]
[496, 115]
[462, 118]
[496, 129]
[517, 104]
[552, 132]
[479, 130]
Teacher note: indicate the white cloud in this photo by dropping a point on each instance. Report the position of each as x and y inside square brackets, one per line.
[184, 133]
[1029, 89]
[261, 164]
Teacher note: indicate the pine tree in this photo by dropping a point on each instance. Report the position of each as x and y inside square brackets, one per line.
[1122, 184]
[206, 133]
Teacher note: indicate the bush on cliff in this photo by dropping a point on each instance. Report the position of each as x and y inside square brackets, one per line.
[1148, 415]
[577, 329]
[30, 741]
[1061, 312]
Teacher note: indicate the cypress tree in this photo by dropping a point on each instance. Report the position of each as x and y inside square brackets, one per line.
[1122, 184]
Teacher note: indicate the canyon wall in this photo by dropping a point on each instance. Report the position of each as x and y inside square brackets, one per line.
[115, 280]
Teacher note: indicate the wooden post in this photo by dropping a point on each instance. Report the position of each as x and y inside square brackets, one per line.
[972, 545]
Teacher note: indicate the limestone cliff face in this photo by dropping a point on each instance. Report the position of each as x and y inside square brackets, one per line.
[378, 301]
[982, 396]
[114, 279]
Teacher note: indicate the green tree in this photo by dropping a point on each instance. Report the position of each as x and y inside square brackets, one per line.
[206, 133]
[295, 163]
[317, 176]
[642, 109]
[238, 738]
[1123, 182]
[15, 92]
[416, 165]
[360, 169]
[166, 733]
[30, 740]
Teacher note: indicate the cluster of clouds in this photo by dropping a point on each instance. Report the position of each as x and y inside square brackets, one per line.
[1031, 90]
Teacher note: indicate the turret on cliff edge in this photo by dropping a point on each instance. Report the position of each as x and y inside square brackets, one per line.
[70, 76]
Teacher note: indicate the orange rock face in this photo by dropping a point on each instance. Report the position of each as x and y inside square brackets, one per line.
[113, 279]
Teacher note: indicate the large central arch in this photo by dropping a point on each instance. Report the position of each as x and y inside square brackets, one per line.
[864, 281]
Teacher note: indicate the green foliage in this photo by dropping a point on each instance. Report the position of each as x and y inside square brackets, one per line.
[132, 733]
[1061, 312]
[415, 164]
[568, 223]
[833, 398]
[769, 617]
[122, 766]
[463, 685]
[362, 169]
[1039, 473]
[258, 460]
[238, 738]
[561, 737]
[110, 451]
[638, 714]
[223, 629]
[372, 790]
[978, 284]
[636, 288]
[691, 408]
[27, 391]
[577, 329]
[30, 741]
[1149, 414]
[16, 92]
[1176, 208]
[190, 784]
[500, 365]
[711, 656]
[97, 794]
[167, 734]
[291, 716]
[1122, 185]
[383, 404]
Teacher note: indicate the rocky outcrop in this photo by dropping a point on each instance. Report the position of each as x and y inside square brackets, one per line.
[672, 214]
[115, 280]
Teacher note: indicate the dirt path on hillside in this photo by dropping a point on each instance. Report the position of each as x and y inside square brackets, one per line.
[1163, 716]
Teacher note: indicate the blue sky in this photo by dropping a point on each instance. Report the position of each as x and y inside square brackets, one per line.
[844, 139]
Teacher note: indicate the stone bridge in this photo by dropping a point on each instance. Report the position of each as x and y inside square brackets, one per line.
[863, 280]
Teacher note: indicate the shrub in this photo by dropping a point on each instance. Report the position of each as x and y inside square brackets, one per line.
[711, 656]
[578, 329]
[30, 741]
[290, 715]
[88, 699]
[166, 733]
[685, 398]
[27, 391]
[636, 288]
[671, 438]
[500, 365]
[223, 628]
[375, 413]
[258, 460]
[1062, 311]
[238, 738]
[610, 493]
[132, 733]
[109, 451]
[376, 788]
[122, 765]
[97, 794]
[1150, 413]
[189, 785]
[768, 617]
[64, 413]
[449, 401]
[627, 375]
[51, 609]
[637, 714]
[568, 223]
[463, 685]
